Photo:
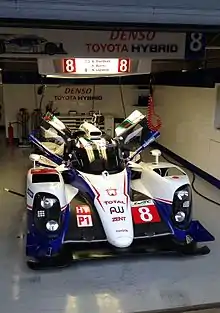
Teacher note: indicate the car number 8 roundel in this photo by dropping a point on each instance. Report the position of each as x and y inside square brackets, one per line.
[145, 214]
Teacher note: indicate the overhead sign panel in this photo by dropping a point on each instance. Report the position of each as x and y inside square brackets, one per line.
[92, 67]
[23, 42]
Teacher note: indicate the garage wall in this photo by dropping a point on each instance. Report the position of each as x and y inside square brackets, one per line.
[2, 116]
[188, 125]
[107, 99]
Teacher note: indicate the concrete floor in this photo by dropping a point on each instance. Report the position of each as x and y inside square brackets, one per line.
[113, 286]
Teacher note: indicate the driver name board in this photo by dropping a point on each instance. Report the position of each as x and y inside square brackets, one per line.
[91, 66]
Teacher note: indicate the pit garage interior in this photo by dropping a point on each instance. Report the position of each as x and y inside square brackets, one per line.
[186, 97]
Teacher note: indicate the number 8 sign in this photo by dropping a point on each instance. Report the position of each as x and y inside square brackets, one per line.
[195, 45]
[123, 65]
[145, 214]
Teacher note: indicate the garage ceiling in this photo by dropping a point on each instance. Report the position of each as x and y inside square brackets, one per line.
[118, 11]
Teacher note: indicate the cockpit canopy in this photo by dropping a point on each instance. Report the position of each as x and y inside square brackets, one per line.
[96, 156]
[89, 149]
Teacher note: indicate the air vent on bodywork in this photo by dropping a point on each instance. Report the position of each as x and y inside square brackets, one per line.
[135, 175]
[138, 196]
[168, 171]
[46, 178]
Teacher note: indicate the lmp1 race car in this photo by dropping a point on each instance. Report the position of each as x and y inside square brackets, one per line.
[91, 195]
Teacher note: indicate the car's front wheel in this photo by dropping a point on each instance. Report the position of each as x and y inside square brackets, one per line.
[61, 260]
[193, 249]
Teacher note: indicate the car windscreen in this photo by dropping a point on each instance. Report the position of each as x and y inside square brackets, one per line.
[95, 158]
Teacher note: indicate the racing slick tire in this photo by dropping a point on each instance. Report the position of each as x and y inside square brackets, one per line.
[50, 48]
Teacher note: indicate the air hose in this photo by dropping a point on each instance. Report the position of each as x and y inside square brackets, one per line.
[151, 115]
[193, 182]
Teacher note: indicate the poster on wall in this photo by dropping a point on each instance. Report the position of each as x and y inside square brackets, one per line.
[109, 44]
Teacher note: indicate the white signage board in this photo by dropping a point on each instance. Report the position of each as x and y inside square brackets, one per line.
[23, 42]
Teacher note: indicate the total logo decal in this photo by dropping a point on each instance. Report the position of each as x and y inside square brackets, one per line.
[112, 192]
[114, 202]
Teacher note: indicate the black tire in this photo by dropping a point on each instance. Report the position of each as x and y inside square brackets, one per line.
[50, 48]
[193, 249]
[2, 47]
[64, 259]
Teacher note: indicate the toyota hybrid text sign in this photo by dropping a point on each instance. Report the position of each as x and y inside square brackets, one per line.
[104, 44]
[138, 44]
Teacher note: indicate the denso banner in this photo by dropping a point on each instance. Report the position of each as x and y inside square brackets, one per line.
[109, 44]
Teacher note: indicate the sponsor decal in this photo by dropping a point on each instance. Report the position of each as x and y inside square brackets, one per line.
[145, 214]
[142, 202]
[118, 218]
[114, 202]
[112, 191]
[30, 193]
[116, 209]
[83, 209]
[83, 216]
[121, 230]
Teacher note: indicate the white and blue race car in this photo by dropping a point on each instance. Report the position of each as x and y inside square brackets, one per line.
[89, 195]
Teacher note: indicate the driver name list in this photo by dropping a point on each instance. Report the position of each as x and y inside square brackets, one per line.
[96, 66]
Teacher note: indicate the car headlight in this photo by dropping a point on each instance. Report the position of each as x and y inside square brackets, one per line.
[47, 214]
[52, 225]
[47, 203]
[182, 206]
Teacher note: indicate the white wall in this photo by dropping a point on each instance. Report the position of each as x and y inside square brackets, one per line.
[25, 96]
[188, 125]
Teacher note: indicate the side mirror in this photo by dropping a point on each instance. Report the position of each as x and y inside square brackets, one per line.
[34, 157]
[42, 160]
[135, 166]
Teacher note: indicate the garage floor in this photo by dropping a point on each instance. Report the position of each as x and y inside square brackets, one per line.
[114, 286]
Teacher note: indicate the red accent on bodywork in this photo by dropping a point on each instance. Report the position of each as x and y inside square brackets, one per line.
[97, 197]
[164, 200]
[43, 171]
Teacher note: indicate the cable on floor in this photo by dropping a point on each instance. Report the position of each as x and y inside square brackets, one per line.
[193, 181]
